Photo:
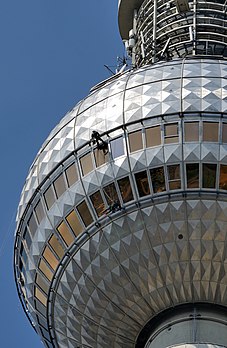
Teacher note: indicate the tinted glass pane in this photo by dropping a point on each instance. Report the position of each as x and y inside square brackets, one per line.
[158, 179]
[100, 157]
[171, 133]
[56, 246]
[59, 185]
[191, 131]
[135, 141]
[153, 136]
[142, 183]
[27, 238]
[40, 307]
[65, 233]
[32, 225]
[117, 147]
[224, 132]
[71, 175]
[39, 211]
[74, 223]
[209, 175]
[86, 164]
[45, 269]
[42, 283]
[111, 194]
[174, 172]
[223, 177]
[40, 296]
[85, 213]
[49, 197]
[192, 170]
[174, 185]
[210, 131]
[50, 258]
[125, 189]
[98, 203]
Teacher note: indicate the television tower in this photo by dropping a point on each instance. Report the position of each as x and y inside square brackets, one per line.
[122, 223]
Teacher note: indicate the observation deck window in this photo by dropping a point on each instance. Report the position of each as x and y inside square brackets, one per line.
[40, 307]
[210, 131]
[171, 133]
[86, 164]
[117, 147]
[60, 186]
[223, 177]
[224, 132]
[45, 270]
[192, 170]
[209, 175]
[153, 136]
[85, 213]
[27, 238]
[74, 223]
[40, 296]
[111, 194]
[49, 197]
[101, 157]
[98, 203]
[42, 283]
[142, 184]
[135, 141]
[50, 258]
[158, 179]
[174, 177]
[71, 174]
[191, 131]
[56, 246]
[32, 225]
[39, 212]
[65, 233]
[125, 189]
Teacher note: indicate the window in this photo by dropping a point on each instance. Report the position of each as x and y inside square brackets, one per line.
[42, 283]
[100, 157]
[50, 258]
[71, 174]
[39, 211]
[59, 185]
[135, 141]
[117, 147]
[32, 225]
[209, 175]
[191, 131]
[45, 269]
[171, 133]
[224, 132]
[74, 223]
[49, 197]
[192, 170]
[65, 233]
[56, 246]
[40, 308]
[85, 213]
[86, 163]
[223, 177]
[125, 189]
[98, 203]
[158, 179]
[40, 296]
[153, 136]
[142, 184]
[111, 194]
[210, 131]
[174, 177]
[27, 238]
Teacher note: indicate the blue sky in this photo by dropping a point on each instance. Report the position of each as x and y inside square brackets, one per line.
[52, 53]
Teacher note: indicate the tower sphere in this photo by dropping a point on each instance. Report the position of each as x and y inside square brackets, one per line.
[121, 226]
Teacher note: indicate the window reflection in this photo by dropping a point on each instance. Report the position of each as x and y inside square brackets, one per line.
[86, 164]
[191, 131]
[71, 174]
[210, 131]
[85, 213]
[224, 132]
[50, 258]
[59, 185]
[135, 141]
[74, 223]
[153, 136]
[209, 175]
[171, 133]
[142, 184]
[42, 283]
[100, 157]
[158, 179]
[32, 225]
[45, 270]
[49, 197]
[65, 233]
[56, 246]
[192, 170]
[27, 238]
[125, 189]
[174, 177]
[223, 177]
[111, 194]
[39, 211]
[40, 296]
[98, 203]
[117, 147]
